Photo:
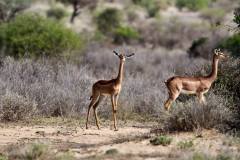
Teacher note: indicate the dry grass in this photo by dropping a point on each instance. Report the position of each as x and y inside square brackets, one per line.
[191, 116]
[58, 88]
[35, 151]
[62, 88]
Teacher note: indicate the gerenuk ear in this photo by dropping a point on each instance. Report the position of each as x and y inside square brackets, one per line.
[130, 55]
[216, 51]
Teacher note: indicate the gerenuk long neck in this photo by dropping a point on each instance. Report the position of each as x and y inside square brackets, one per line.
[213, 75]
[120, 72]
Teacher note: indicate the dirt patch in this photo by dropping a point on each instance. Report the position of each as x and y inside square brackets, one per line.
[131, 141]
[13, 134]
[77, 139]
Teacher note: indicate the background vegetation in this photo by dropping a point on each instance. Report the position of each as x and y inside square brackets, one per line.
[48, 64]
[52, 51]
[34, 35]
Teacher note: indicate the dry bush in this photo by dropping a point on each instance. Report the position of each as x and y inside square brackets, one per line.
[143, 91]
[214, 15]
[169, 32]
[57, 88]
[14, 107]
[228, 85]
[227, 5]
[206, 155]
[175, 29]
[222, 109]
[62, 88]
[35, 151]
[190, 116]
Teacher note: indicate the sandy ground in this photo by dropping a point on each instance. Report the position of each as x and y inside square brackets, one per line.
[130, 140]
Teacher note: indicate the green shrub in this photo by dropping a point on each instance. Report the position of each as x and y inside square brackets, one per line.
[185, 144]
[236, 18]
[36, 36]
[109, 24]
[194, 49]
[152, 6]
[29, 152]
[200, 156]
[232, 44]
[137, 1]
[111, 151]
[2, 157]
[164, 4]
[36, 151]
[65, 156]
[161, 140]
[108, 20]
[223, 157]
[125, 34]
[192, 4]
[57, 13]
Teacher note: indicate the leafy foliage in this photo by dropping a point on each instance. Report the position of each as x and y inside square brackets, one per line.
[57, 13]
[228, 85]
[152, 6]
[111, 151]
[2, 157]
[109, 23]
[161, 140]
[192, 4]
[125, 34]
[36, 36]
[237, 16]
[185, 144]
[193, 50]
[108, 20]
[232, 44]
[204, 46]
